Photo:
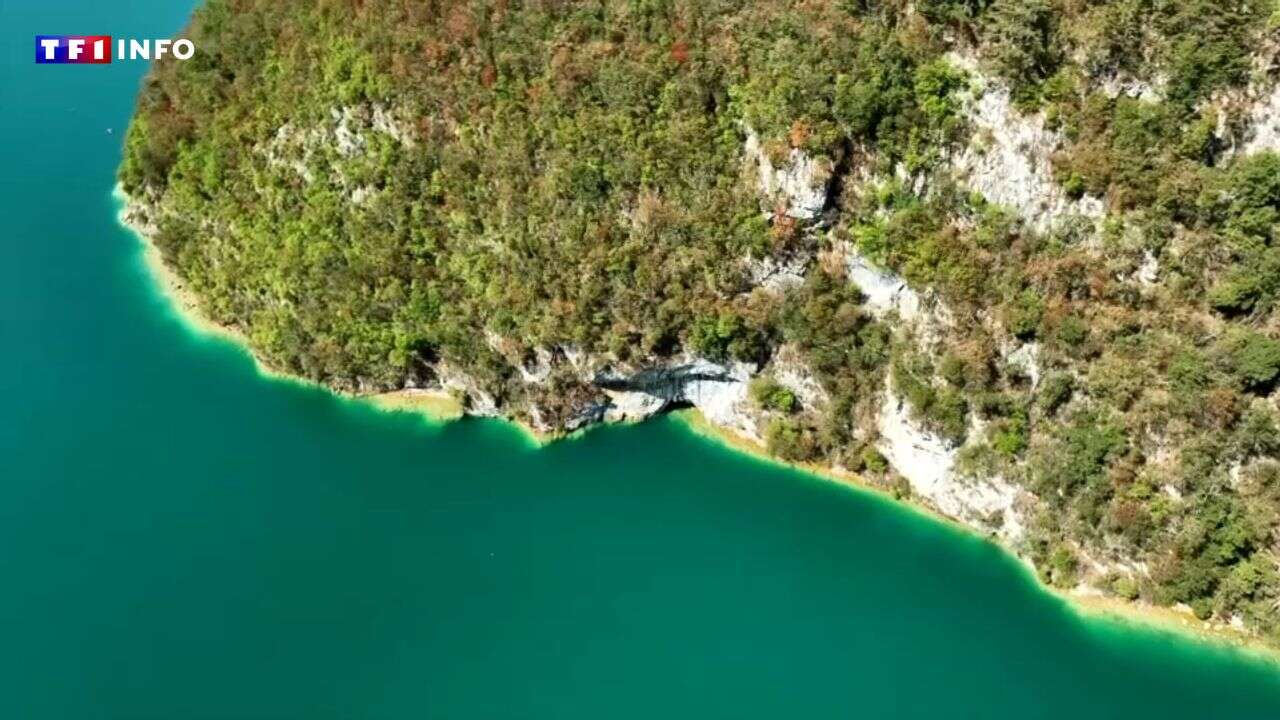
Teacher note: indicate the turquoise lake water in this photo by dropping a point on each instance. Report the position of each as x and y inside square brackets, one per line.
[181, 538]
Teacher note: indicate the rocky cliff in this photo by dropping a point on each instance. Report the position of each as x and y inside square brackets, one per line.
[1015, 262]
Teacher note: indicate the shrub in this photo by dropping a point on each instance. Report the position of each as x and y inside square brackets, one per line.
[1258, 433]
[943, 410]
[1253, 359]
[1021, 39]
[901, 488]
[771, 395]
[1074, 186]
[724, 336]
[1202, 608]
[873, 461]
[1009, 437]
[952, 11]
[1125, 586]
[1054, 392]
[1022, 316]
[1063, 567]
[1072, 332]
[1189, 372]
[952, 369]
[787, 439]
[1117, 379]
[1079, 455]
[1235, 296]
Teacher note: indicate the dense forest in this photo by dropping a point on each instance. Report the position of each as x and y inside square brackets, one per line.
[375, 189]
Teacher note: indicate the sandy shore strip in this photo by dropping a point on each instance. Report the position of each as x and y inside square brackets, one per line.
[435, 404]
[1091, 603]
[441, 406]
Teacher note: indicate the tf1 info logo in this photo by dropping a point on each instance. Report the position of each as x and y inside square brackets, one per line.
[96, 49]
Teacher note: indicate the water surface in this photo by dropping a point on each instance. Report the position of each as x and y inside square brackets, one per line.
[181, 538]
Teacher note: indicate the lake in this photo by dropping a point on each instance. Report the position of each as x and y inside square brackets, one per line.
[183, 538]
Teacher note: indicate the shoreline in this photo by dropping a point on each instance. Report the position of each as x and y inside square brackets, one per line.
[440, 406]
[1089, 603]
[435, 405]
[697, 423]
[1084, 602]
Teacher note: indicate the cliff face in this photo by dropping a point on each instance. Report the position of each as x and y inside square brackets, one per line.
[991, 259]
[1009, 157]
[608, 391]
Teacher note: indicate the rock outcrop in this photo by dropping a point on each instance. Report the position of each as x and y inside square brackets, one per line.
[798, 186]
[1008, 158]
[929, 464]
[348, 131]
[883, 292]
[1262, 124]
[718, 391]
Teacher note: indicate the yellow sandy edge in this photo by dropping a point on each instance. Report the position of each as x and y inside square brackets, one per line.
[1084, 603]
[435, 404]
[1167, 619]
[441, 406]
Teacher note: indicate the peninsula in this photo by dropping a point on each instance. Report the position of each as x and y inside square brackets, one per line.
[1015, 261]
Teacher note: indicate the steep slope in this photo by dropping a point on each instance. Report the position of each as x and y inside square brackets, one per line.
[1013, 259]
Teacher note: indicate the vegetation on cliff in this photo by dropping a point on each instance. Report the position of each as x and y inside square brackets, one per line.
[374, 189]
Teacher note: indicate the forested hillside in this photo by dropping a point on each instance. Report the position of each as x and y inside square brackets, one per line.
[1064, 215]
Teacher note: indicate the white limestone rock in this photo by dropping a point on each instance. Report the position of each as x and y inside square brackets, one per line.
[886, 293]
[363, 194]
[1026, 358]
[791, 372]
[479, 402]
[718, 391]
[576, 358]
[724, 401]
[778, 274]
[537, 371]
[347, 131]
[628, 406]
[928, 463]
[1008, 156]
[883, 291]
[1120, 85]
[1262, 124]
[1149, 271]
[387, 120]
[347, 141]
[800, 184]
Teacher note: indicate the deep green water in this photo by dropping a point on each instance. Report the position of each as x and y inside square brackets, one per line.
[180, 538]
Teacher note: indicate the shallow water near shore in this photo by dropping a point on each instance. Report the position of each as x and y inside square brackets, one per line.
[181, 537]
